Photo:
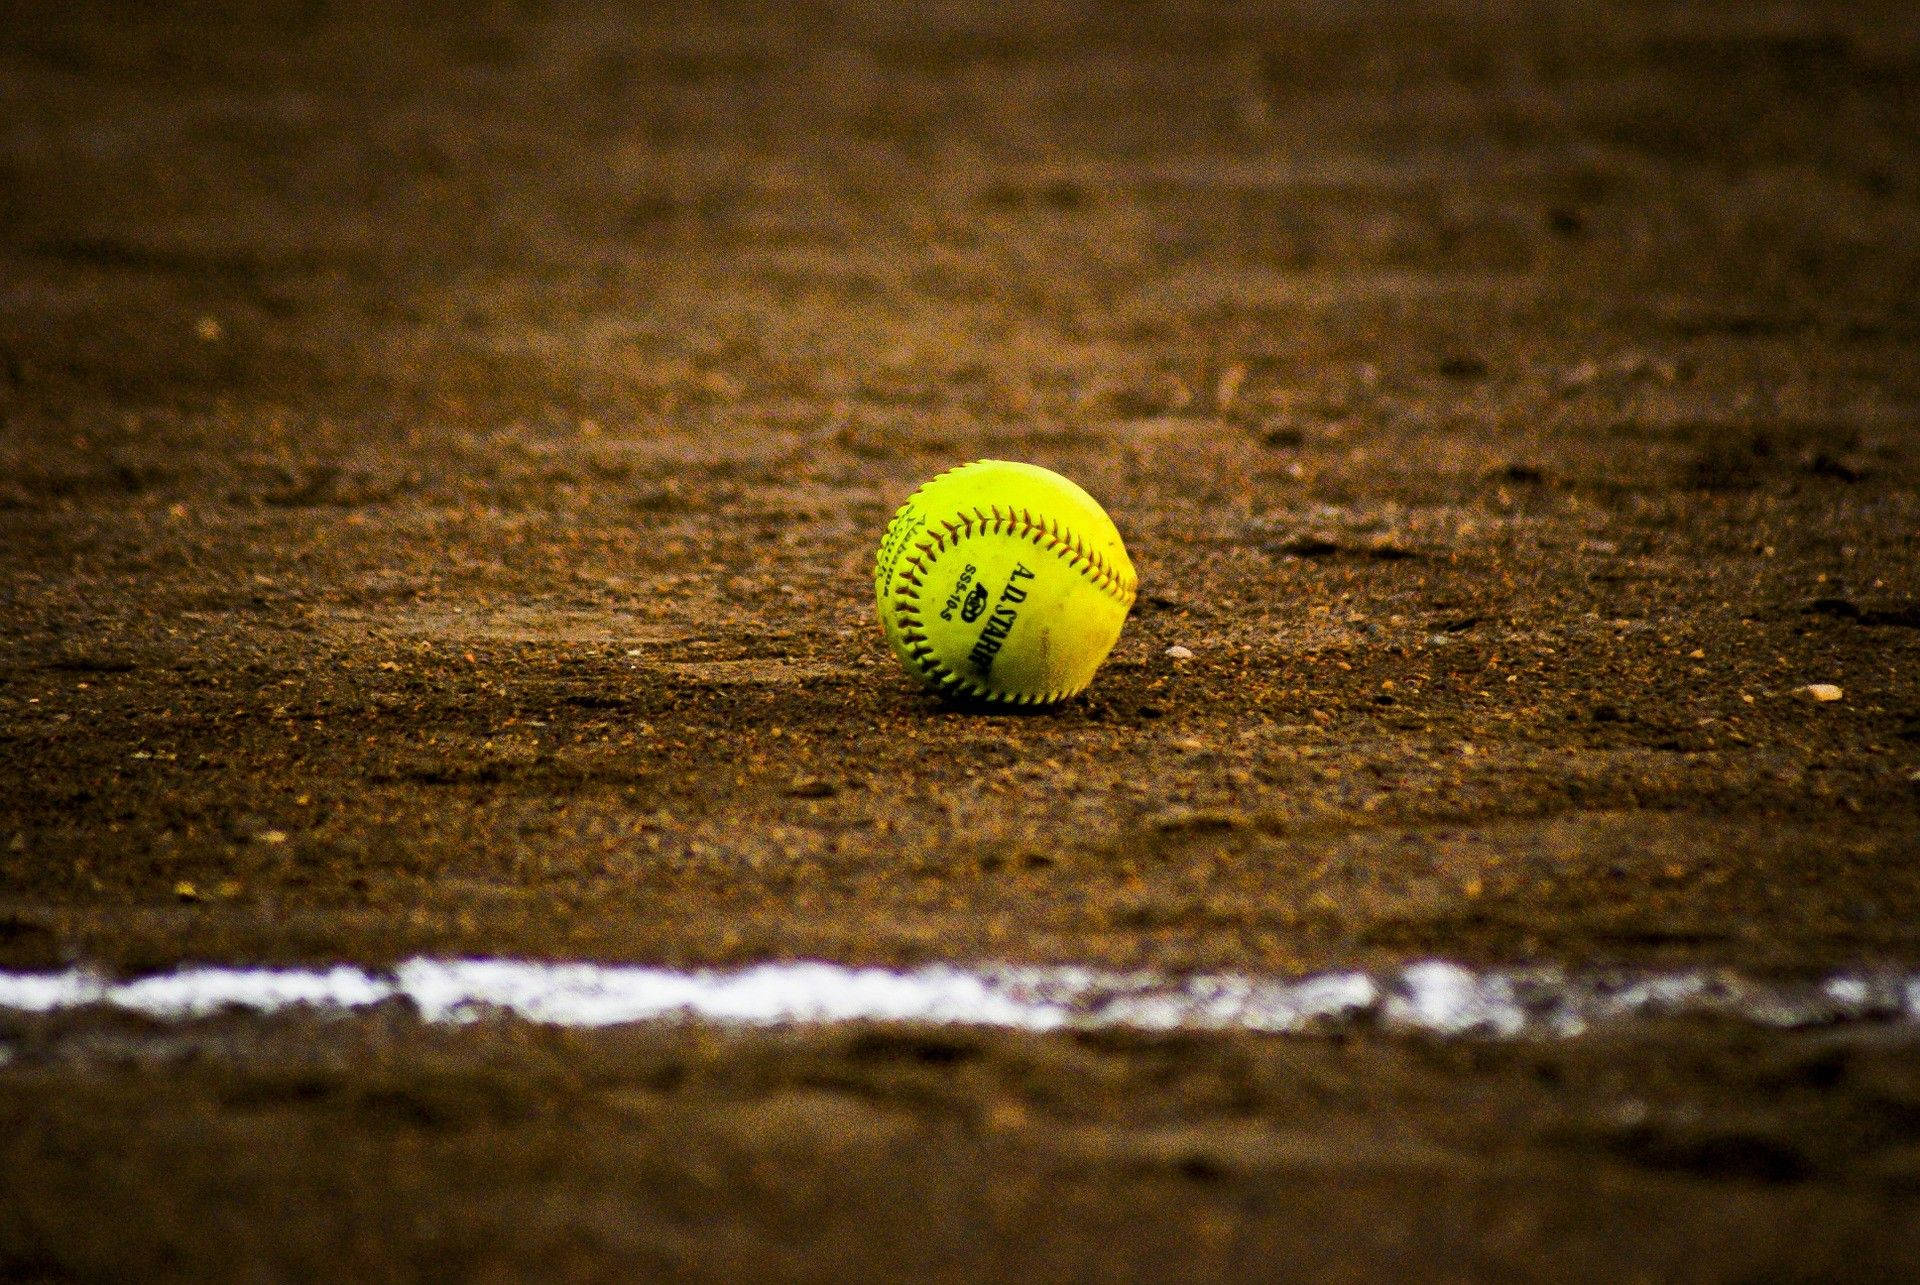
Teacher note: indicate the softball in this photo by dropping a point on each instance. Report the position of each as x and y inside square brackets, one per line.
[1002, 582]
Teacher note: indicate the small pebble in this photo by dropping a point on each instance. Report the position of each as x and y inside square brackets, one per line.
[1177, 652]
[1821, 692]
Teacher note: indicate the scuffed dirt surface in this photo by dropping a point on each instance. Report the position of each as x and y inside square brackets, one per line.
[440, 460]
[374, 1147]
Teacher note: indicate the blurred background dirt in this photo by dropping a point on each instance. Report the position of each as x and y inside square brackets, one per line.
[441, 454]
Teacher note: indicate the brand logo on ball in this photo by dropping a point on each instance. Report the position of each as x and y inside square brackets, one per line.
[1000, 624]
[975, 604]
[962, 601]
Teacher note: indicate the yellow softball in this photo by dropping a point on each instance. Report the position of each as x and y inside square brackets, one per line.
[1002, 582]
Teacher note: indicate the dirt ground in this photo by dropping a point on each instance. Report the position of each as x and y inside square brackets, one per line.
[441, 457]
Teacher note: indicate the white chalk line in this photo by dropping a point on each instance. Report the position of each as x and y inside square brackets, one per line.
[1432, 996]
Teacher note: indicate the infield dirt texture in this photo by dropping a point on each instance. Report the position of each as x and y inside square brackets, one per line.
[441, 459]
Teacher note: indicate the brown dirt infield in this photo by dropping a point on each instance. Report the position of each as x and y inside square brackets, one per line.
[441, 454]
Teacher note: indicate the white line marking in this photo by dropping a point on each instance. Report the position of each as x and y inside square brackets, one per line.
[1432, 996]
